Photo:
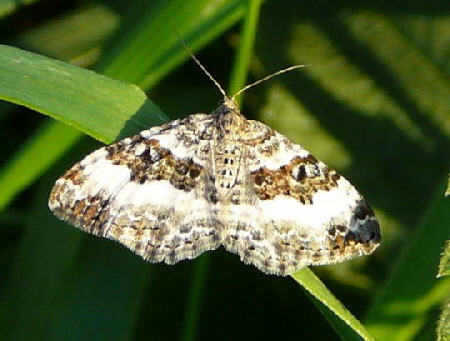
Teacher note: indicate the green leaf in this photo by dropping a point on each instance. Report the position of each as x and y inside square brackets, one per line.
[245, 51]
[55, 89]
[346, 325]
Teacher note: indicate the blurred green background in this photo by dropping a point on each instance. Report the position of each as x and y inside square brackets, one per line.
[373, 103]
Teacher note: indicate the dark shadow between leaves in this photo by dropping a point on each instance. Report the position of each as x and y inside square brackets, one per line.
[148, 115]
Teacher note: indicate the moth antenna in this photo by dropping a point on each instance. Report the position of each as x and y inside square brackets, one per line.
[290, 68]
[216, 83]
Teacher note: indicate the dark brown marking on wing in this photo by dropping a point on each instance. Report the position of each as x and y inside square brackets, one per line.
[154, 163]
[300, 179]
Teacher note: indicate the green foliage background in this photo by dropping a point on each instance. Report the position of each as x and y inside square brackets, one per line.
[373, 103]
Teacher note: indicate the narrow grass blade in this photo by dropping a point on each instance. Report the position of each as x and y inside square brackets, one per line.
[343, 322]
[245, 51]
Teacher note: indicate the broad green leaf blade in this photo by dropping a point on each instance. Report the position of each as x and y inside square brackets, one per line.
[52, 140]
[412, 289]
[444, 264]
[346, 325]
[92, 103]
